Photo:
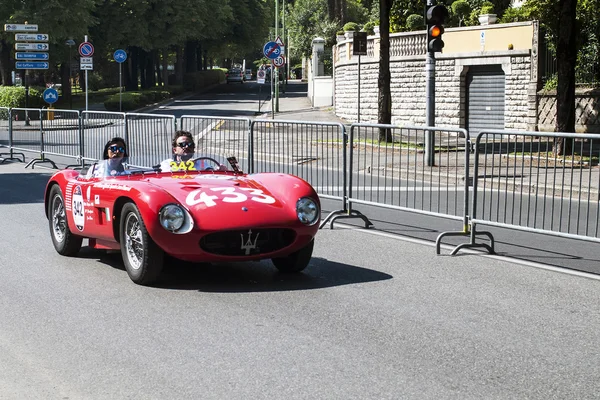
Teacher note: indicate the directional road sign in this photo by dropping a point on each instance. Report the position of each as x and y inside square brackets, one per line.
[31, 46]
[32, 37]
[31, 56]
[86, 49]
[20, 28]
[120, 56]
[271, 50]
[279, 61]
[31, 65]
[50, 95]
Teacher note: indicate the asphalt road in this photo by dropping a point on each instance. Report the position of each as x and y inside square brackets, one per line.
[371, 317]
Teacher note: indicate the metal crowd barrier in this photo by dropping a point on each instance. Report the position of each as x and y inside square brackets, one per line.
[6, 141]
[97, 128]
[224, 136]
[149, 138]
[313, 151]
[521, 183]
[388, 168]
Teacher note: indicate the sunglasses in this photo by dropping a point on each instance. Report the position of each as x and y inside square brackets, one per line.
[185, 145]
[115, 149]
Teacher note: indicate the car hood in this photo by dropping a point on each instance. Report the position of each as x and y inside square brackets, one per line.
[222, 201]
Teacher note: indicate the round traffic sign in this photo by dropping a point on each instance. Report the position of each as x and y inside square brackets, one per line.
[271, 50]
[120, 56]
[260, 73]
[50, 95]
[279, 61]
[86, 49]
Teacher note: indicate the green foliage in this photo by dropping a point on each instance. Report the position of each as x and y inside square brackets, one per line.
[130, 101]
[551, 83]
[95, 81]
[369, 27]
[415, 22]
[351, 27]
[461, 10]
[13, 96]
[487, 9]
[357, 12]
[195, 81]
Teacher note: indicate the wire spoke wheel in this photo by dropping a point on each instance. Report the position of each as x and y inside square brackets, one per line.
[133, 241]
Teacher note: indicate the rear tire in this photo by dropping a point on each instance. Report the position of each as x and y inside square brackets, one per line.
[64, 241]
[142, 257]
[295, 262]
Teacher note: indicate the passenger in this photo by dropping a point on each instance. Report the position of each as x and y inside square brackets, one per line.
[184, 150]
[115, 151]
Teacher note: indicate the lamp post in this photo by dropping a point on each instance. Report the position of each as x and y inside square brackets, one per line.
[70, 43]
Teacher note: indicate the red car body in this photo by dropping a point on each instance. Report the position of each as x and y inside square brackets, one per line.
[234, 216]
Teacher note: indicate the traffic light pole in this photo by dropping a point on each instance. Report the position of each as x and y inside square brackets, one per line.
[430, 101]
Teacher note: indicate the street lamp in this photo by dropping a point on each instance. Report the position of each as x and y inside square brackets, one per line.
[70, 43]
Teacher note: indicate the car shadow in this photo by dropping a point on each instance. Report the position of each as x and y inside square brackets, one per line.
[245, 277]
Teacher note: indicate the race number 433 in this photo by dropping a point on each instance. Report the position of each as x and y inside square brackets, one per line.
[227, 195]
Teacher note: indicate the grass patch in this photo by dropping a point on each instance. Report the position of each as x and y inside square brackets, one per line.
[549, 157]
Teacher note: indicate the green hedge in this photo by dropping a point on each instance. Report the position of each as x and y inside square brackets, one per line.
[14, 96]
[135, 100]
[197, 80]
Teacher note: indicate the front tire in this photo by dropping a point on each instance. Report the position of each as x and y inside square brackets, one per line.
[64, 241]
[142, 257]
[295, 262]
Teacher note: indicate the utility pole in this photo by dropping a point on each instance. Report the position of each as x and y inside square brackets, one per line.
[274, 68]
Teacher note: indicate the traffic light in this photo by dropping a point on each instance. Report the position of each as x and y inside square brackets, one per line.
[435, 17]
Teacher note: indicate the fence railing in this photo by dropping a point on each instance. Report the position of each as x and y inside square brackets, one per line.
[521, 182]
[515, 179]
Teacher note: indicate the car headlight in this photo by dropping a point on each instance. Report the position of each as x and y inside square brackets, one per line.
[307, 211]
[172, 217]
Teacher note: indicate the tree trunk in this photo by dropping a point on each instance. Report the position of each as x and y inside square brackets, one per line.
[5, 67]
[199, 57]
[179, 66]
[206, 60]
[66, 83]
[331, 9]
[384, 114]
[566, 55]
[190, 56]
[165, 64]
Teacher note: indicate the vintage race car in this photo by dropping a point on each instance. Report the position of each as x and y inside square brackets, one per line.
[212, 213]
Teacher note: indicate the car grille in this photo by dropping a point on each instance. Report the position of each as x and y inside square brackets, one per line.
[243, 243]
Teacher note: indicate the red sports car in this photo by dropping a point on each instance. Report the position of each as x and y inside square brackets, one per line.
[213, 214]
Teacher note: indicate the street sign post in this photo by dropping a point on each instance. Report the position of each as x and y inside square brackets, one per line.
[86, 50]
[271, 50]
[31, 65]
[32, 46]
[260, 76]
[279, 61]
[50, 95]
[120, 56]
[20, 28]
[359, 48]
[32, 37]
[31, 56]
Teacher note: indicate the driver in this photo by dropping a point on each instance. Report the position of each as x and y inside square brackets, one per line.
[183, 150]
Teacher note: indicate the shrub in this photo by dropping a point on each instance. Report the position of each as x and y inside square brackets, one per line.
[486, 8]
[351, 26]
[131, 101]
[369, 28]
[415, 22]
[14, 96]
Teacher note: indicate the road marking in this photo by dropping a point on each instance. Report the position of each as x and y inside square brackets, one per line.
[205, 131]
[532, 264]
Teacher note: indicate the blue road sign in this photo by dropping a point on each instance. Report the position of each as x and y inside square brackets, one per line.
[31, 65]
[271, 50]
[31, 56]
[120, 56]
[86, 49]
[50, 96]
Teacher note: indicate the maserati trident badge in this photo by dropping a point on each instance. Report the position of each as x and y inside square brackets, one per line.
[249, 244]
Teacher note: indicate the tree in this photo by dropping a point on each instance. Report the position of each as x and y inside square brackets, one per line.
[566, 53]
[384, 101]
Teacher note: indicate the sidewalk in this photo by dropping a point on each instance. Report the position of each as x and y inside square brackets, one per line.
[294, 104]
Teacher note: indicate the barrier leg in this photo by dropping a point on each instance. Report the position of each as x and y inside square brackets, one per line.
[472, 243]
[346, 213]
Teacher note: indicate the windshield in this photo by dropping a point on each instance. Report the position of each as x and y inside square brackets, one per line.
[114, 167]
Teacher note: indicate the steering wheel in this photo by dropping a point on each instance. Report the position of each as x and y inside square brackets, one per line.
[217, 164]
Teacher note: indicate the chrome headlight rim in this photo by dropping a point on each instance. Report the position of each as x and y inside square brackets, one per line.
[169, 208]
[301, 213]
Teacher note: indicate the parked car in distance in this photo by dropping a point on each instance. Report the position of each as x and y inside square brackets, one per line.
[235, 75]
[248, 75]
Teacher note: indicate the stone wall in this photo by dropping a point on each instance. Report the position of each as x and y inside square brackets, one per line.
[408, 80]
[587, 110]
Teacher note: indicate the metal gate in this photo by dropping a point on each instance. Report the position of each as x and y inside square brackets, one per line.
[485, 98]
